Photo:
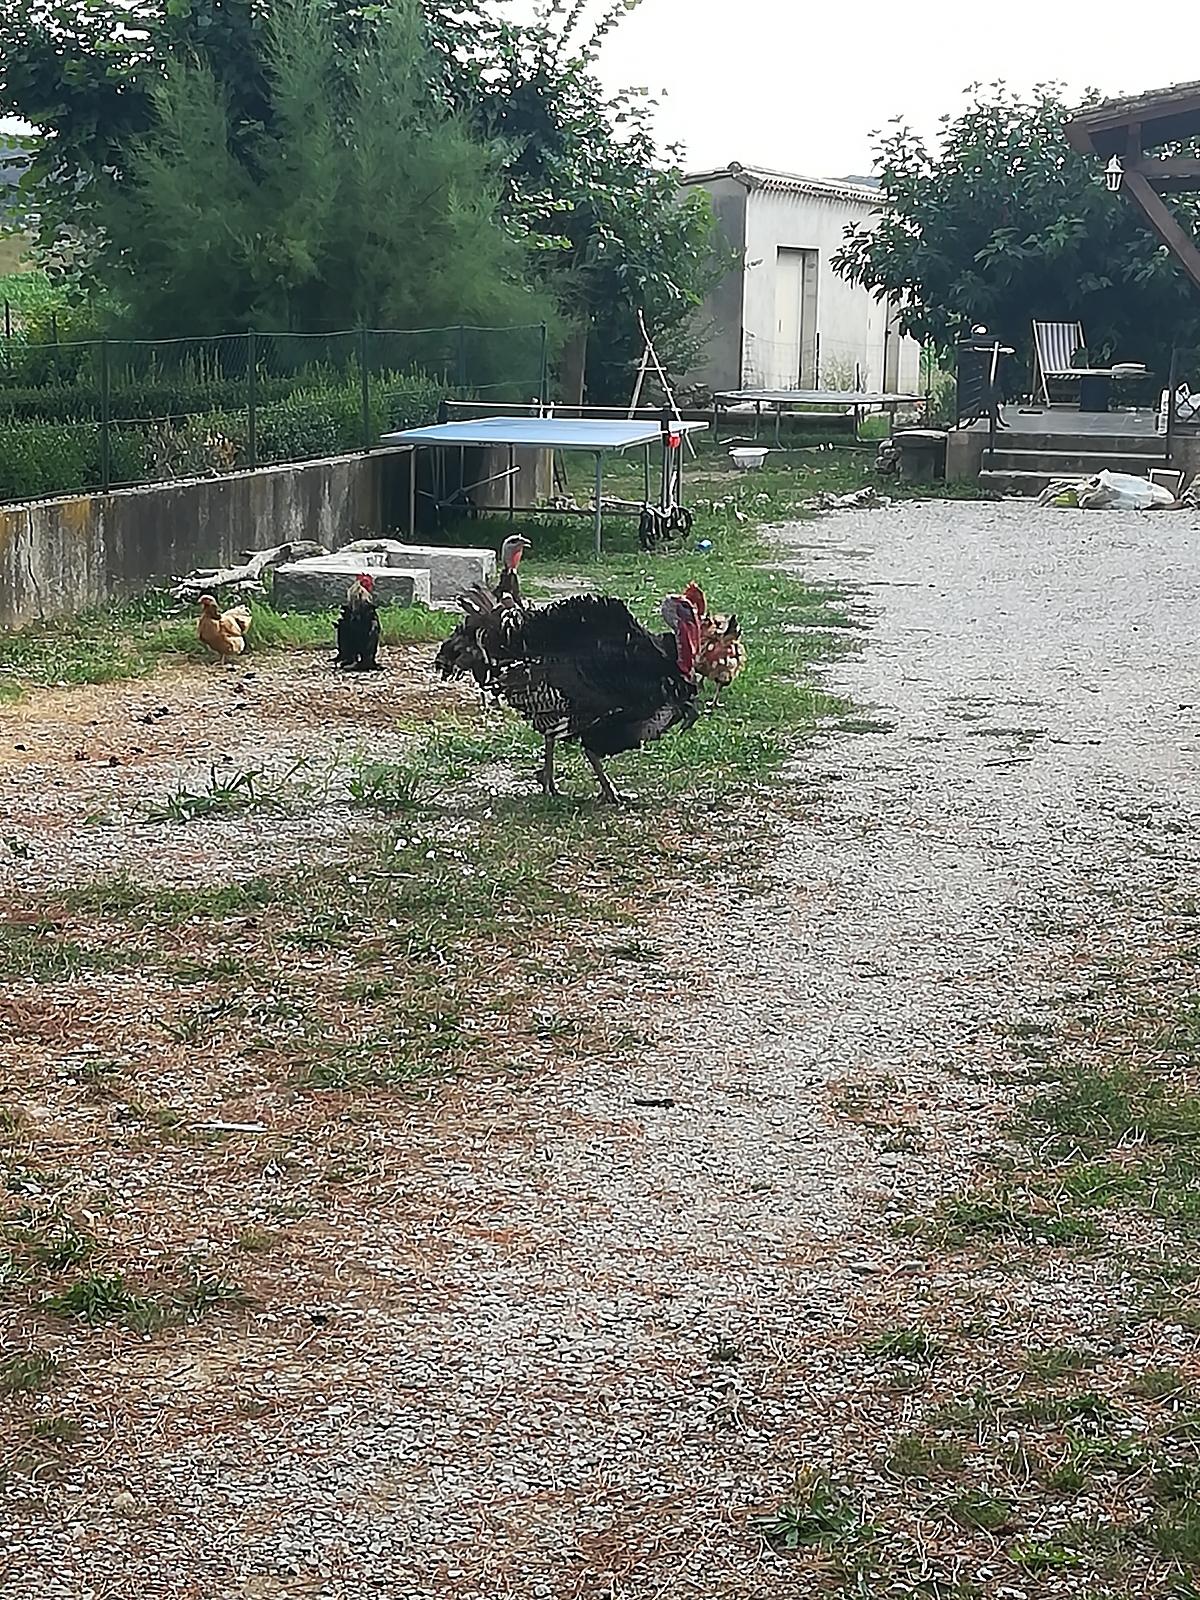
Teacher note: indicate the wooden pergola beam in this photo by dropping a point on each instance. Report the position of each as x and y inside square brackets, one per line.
[1172, 175]
[1164, 224]
[1124, 129]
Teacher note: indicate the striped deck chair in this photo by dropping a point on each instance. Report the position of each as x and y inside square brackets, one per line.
[1055, 345]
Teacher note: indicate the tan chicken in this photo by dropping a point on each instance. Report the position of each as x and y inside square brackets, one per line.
[722, 652]
[224, 632]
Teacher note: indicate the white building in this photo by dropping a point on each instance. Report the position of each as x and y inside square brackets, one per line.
[783, 319]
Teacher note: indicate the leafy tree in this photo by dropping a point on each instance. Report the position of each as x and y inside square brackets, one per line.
[83, 72]
[1003, 223]
[322, 187]
[602, 212]
[129, 91]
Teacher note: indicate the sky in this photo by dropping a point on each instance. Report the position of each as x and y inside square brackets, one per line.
[801, 86]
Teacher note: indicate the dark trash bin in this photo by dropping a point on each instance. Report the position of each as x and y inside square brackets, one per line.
[1095, 391]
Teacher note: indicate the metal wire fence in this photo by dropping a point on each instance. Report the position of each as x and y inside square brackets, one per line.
[101, 414]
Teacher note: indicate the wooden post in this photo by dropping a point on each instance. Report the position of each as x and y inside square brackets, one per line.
[599, 516]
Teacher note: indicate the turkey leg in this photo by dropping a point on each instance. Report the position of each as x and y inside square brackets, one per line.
[546, 776]
[607, 792]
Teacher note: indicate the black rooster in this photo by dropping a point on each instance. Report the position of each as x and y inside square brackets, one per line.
[358, 627]
[583, 669]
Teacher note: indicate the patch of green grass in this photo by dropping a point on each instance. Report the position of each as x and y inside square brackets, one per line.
[978, 1510]
[906, 1344]
[1086, 1408]
[12, 1121]
[202, 1291]
[1161, 1383]
[418, 1047]
[1127, 1136]
[230, 794]
[1044, 1555]
[1059, 1362]
[39, 954]
[130, 639]
[415, 624]
[1107, 1106]
[1107, 1455]
[100, 1297]
[385, 786]
[101, 1078]
[27, 1372]
[969, 1412]
[918, 1456]
[60, 1243]
[48, 1241]
[55, 1430]
[818, 1515]
[1004, 1214]
[256, 1241]
[106, 1297]
[1175, 1533]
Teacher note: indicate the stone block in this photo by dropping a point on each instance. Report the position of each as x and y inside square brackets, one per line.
[321, 584]
[451, 569]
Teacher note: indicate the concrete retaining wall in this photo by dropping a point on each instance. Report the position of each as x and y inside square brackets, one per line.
[59, 557]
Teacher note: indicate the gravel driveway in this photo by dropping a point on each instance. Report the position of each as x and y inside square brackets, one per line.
[593, 1338]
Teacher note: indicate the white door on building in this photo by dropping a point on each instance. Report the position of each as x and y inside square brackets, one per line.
[794, 355]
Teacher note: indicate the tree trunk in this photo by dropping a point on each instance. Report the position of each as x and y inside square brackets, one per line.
[572, 366]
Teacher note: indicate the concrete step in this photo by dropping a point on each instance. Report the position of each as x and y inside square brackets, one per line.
[1058, 442]
[1029, 483]
[1070, 463]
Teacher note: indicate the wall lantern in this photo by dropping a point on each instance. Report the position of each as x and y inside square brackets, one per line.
[1113, 173]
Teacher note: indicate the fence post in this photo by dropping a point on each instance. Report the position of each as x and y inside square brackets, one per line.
[252, 397]
[8, 335]
[462, 361]
[364, 365]
[105, 422]
[542, 396]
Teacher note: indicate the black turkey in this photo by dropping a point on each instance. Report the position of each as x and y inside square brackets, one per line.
[582, 669]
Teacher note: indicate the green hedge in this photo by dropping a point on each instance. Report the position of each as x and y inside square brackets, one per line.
[80, 401]
[62, 457]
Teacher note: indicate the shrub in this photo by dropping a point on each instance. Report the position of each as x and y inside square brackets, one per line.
[60, 451]
[44, 459]
[409, 400]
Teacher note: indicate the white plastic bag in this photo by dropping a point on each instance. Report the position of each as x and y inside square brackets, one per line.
[1121, 491]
